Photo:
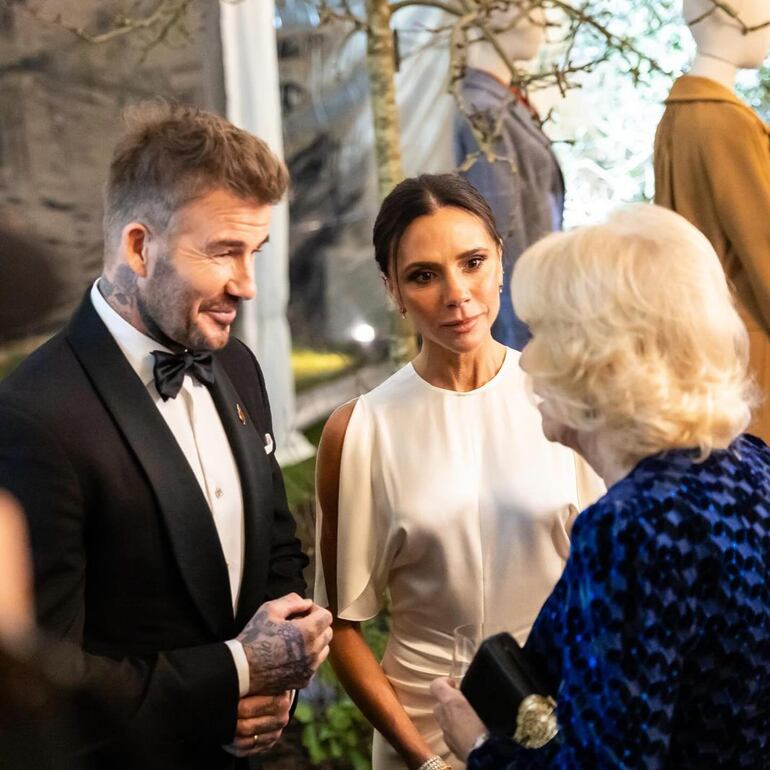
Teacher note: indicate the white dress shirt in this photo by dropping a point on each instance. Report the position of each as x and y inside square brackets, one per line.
[194, 421]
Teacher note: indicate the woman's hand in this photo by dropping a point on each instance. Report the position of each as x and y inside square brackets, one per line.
[456, 717]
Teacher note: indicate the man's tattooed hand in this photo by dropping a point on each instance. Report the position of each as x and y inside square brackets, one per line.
[285, 642]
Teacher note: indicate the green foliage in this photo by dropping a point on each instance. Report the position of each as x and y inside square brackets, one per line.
[754, 87]
[299, 480]
[335, 733]
[337, 736]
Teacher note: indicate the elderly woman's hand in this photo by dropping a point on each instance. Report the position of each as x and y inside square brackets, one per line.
[460, 723]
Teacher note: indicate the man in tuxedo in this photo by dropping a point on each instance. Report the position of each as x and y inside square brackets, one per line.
[139, 443]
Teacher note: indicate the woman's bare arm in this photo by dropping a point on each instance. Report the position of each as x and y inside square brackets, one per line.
[352, 659]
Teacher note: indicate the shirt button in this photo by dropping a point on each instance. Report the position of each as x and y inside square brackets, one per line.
[218, 492]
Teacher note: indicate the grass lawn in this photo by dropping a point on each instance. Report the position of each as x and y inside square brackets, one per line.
[313, 367]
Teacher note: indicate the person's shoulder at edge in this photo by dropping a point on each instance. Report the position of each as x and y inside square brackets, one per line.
[46, 388]
[36, 364]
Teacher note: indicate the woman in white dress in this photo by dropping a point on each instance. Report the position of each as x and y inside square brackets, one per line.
[438, 485]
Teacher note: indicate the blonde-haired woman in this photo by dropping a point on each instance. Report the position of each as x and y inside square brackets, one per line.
[656, 640]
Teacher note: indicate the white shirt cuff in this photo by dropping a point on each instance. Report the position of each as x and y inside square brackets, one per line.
[241, 666]
[480, 741]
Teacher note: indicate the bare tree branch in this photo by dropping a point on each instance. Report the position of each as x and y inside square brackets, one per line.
[344, 13]
[165, 17]
[720, 5]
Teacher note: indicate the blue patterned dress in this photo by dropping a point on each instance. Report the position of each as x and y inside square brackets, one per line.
[656, 640]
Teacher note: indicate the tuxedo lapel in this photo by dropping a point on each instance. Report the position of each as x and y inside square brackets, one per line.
[186, 514]
[247, 440]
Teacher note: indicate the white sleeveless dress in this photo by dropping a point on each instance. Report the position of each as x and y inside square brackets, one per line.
[457, 504]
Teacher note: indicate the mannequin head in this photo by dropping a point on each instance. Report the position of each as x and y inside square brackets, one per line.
[721, 37]
[520, 31]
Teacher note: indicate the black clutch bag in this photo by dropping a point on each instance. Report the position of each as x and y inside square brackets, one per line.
[507, 694]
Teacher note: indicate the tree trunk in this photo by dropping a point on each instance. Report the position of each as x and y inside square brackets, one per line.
[381, 64]
[380, 60]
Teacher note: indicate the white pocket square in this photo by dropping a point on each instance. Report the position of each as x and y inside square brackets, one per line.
[269, 446]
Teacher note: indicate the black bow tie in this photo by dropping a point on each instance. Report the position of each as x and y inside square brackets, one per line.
[170, 368]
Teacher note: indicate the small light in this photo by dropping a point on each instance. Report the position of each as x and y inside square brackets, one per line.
[363, 333]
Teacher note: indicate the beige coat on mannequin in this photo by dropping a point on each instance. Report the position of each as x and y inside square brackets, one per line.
[712, 166]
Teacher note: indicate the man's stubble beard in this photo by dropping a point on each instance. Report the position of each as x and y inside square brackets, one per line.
[164, 308]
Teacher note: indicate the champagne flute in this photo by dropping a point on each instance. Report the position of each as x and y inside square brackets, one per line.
[467, 639]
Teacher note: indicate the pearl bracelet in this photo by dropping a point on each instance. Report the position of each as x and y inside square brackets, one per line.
[434, 763]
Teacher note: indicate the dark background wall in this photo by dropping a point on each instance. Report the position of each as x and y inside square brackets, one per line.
[61, 99]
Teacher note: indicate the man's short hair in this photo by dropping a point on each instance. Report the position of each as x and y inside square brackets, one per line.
[636, 334]
[171, 154]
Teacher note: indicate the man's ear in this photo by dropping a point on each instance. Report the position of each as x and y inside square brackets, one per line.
[134, 247]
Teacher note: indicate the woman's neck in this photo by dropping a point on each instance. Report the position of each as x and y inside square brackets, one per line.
[595, 451]
[714, 68]
[461, 372]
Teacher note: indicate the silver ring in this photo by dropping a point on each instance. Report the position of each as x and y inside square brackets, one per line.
[256, 738]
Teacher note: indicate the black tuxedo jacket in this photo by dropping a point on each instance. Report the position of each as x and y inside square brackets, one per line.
[127, 561]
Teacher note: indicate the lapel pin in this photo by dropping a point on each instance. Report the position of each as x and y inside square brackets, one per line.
[241, 415]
